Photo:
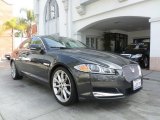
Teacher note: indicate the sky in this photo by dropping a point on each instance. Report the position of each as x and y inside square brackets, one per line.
[18, 4]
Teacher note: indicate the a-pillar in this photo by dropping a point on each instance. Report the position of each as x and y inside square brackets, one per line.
[155, 44]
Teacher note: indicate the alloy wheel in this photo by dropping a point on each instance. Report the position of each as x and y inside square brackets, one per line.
[13, 70]
[61, 86]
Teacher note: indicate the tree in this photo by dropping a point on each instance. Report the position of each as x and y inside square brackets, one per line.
[29, 20]
[11, 24]
[21, 26]
[24, 25]
[15, 24]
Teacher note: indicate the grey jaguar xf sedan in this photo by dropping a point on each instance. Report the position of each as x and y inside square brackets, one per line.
[73, 71]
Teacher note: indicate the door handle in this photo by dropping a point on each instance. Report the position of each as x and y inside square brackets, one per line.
[46, 64]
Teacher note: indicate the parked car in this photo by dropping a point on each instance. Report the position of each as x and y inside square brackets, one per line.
[139, 53]
[74, 72]
[8, 56]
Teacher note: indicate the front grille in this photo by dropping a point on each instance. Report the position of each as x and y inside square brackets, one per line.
[131, 72]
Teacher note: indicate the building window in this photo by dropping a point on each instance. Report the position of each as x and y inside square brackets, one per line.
[92, 42]
[51, 10]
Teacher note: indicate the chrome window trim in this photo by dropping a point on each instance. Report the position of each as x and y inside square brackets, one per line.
[43, 45]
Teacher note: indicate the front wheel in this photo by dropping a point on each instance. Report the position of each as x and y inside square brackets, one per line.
[63, 86]
[145, 62]
[14, 72]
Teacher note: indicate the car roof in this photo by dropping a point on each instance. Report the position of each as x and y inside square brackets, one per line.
[53, 36]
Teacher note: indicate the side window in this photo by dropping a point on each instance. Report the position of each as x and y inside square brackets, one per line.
[25, 44]
[36, 41]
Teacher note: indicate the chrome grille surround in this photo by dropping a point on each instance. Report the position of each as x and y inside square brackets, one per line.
[131, 72]
[127, 55]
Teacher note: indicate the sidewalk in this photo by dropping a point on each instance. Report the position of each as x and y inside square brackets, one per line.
[151, 75]
[0, 59]
[1, 117]
[4, 64]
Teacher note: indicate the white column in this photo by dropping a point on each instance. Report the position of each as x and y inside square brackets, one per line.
[155, 44]
[70, 18]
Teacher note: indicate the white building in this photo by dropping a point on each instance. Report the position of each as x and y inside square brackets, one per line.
[92, 20]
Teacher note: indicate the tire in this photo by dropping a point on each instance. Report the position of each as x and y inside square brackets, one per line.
[63, 86]
[14, 72]
[145, 63]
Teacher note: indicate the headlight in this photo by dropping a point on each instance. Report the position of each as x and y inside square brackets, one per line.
[137, 56]
[140, 71]
[92, 68]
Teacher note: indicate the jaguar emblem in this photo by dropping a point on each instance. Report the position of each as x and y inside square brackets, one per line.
[132, 69]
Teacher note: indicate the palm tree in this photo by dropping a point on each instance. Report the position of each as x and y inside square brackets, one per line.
[21, 26]
[15, 24]
[11, 24]
[30, 19]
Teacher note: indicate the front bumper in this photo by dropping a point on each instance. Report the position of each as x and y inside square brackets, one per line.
[111, 87]
[98, 86]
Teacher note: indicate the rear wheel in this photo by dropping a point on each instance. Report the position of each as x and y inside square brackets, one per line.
[14, 72]
[63, 86]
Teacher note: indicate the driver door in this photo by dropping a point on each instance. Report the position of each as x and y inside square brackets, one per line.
[35, 61]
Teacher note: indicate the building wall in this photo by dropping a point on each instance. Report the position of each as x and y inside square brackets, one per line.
[78, 16]
[102, 11]
[39, 9]
[103, 6]
[155, 45]
[5, 43]
[5, 11]
[5, 36]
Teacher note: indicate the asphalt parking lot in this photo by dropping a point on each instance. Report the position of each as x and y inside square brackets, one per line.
[28, 100]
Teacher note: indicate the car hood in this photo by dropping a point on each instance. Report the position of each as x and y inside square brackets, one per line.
[104, 58]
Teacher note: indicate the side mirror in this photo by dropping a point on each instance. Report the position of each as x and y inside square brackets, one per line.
[35, 47]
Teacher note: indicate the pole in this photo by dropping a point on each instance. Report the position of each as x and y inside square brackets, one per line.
[12, 39]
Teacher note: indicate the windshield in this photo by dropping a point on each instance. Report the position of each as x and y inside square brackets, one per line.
[60, 42]
[142, 46]
[131, 47]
